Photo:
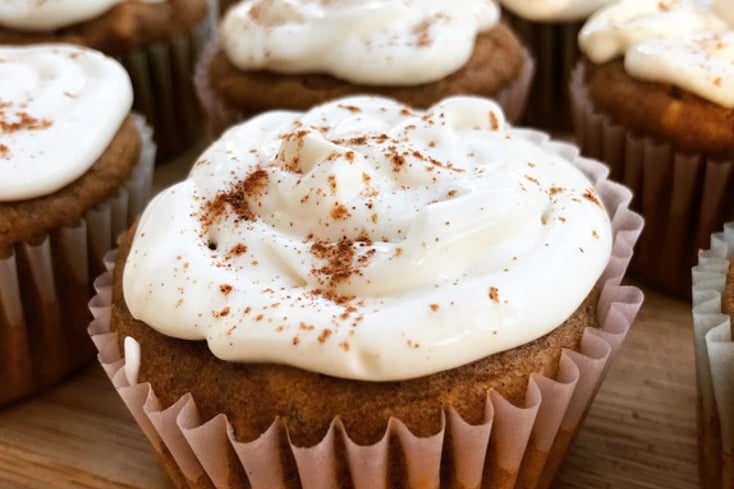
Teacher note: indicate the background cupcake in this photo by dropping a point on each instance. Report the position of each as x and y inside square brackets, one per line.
[158, 42]
[713, 316]
[71, 179]
[294, 55]
[654, 99]
[372, 266]
[549, 28]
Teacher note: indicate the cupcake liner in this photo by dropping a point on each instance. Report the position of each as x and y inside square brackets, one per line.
[683, 197]
[219, 117]
[45, 285]
[555, 49]
[164, 93]
[514, 447]
[714, 351]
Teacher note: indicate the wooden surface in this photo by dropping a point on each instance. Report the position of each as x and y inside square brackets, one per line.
[640, 433]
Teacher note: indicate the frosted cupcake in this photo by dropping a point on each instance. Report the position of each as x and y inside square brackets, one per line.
[373, 295]
[158, 42]
[71, 179]
[550, 29]
[713, 316]
[654, 99]
[297, 54]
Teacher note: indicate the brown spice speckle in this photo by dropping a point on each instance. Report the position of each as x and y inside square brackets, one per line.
[494, 294]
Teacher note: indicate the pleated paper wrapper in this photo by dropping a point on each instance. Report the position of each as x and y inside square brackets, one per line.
[45, 286]
[515, 446]
[162, 75]
[684, 198]
[220, 116]
[714, 352]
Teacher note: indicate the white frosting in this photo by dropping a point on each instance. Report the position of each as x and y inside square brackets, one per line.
[553, 10]
[132, 359]
[60, 107]
[395, 42]
[687, 43]
[467, 239]
[48, 15]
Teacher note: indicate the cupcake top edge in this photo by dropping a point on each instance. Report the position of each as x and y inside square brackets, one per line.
[367, 240]
[49, 15]
[686, 43]
[553, 10]
[60, 106]
[378, 42]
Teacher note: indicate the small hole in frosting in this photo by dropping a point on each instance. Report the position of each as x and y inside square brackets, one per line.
[212, 245]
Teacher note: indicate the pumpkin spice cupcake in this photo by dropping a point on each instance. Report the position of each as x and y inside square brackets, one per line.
[71, 179]
[294, 55]
[654, 99]
[157, 41]
[370, 295]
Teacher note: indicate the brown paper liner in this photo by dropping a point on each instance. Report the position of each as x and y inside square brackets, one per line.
[555, 49]
[219, 117]
[514, 447]
[161, 75]
[45, 286]
[683, 198]
[714, 350]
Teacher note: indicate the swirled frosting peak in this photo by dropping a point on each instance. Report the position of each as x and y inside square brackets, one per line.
[687, 43]
[403, 42]
[51, 127]
[366, 240]
[48, 15]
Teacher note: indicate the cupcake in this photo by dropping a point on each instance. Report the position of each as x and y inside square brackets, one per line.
[654, 99]
[713, 316]
[157, 41]
[297, 54]
[370, 295]
[549, 28]
[71, 179]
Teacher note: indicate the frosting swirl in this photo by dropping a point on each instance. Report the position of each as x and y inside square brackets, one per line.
[365, 240]
[51, 129]
[553, 10]
[380, 42]
[687, 43]
[48, 15]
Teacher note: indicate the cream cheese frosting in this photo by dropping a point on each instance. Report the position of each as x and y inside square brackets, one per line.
[687, 43]
[553, 10]
[48, 15]
[366, 240]
[382, 42]
[60, 106]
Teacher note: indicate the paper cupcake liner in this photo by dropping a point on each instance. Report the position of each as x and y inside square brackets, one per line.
[714, 350]
[219, 116]
[45, 286]
[161, 75]
[514, 447]
[683, 197]
[555, 49]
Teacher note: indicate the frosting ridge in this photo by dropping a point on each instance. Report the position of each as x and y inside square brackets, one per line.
[553, 10]
[51, 130]
[366, 240]
[403, 42]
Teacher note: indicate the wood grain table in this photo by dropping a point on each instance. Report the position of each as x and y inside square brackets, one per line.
[640, 433]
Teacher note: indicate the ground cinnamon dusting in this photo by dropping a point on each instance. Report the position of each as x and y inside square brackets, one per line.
[340, 212]
[494, 294]
[590, 195]
[235, 200]
[494, 122]
[4, 152]
[325, 334]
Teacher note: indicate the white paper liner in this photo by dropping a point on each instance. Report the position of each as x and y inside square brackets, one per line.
[554, 46]
[219, 117]
[44, 287]
[515, 447]
[714, 350]
[161, 75]
[683, 197]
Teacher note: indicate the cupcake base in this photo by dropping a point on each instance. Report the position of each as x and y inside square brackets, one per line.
[512, 447]
[714, 350]
[45, 285]
[683, 197]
